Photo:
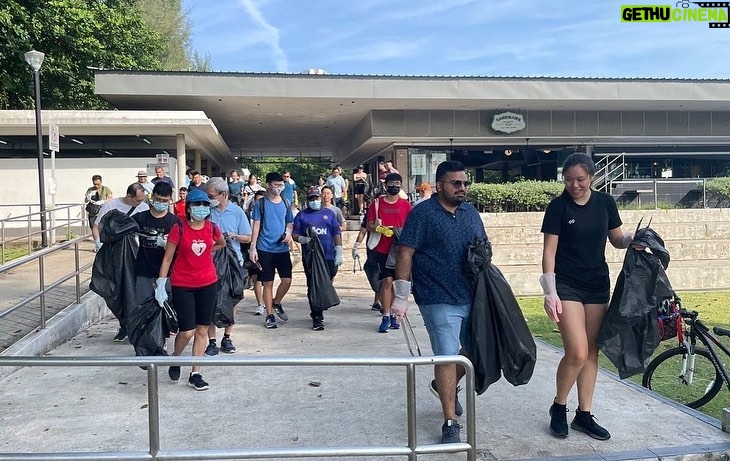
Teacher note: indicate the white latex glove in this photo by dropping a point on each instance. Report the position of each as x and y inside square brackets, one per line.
[355, 254]
[160, 291]
[401, 290]
[161, 240]
[303, 240]
[552, 304]
[98, 244]
[338, 255]
[253, 254]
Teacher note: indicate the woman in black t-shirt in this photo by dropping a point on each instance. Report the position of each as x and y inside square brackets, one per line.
[576, 285]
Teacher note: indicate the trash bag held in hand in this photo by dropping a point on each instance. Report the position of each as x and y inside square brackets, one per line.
[230, 285]
[501, 343]
[146, 328]
[630, 332]
[321, 293]
[392, 254]
[113, 273]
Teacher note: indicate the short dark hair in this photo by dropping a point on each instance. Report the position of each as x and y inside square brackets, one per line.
[96, 177]
[580, 158]
[451, 166]
[162, 189]
[194, 172]
[283, 172]
[233, 171]
[183, 189]
[133, 188]
[273, 176]
[189, 171]
[393, 177]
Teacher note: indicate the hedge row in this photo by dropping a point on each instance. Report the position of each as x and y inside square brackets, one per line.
[515, 196]
[718, 189]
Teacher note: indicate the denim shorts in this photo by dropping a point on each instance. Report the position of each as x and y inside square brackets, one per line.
[447, 326]
[568, 293]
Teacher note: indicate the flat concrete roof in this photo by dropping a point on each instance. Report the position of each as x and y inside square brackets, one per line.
[274, 114]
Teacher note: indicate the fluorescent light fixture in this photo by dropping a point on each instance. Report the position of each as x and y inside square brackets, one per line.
[77, 141]
[2, 141]
[165, 152]
[147, 141]
[507, 152]
[108, 153]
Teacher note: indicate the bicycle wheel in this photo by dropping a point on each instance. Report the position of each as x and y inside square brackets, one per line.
[664, 376]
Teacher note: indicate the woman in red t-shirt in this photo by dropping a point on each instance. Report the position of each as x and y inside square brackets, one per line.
[194, 279]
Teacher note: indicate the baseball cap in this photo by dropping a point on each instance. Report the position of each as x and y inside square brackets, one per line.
[197, 195]
[313, 192]
[141, 173]
[424, 187]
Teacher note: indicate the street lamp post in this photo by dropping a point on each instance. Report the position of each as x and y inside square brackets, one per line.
[35, 59]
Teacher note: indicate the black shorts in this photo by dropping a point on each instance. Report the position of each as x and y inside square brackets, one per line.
[359, 189]
[272, 263]
[569, 293]
[381, 259]
[194, 306]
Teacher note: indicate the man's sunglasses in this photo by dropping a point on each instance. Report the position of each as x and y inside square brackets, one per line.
[457, 184]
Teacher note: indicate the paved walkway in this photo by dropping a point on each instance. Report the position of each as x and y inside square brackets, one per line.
[46, 409]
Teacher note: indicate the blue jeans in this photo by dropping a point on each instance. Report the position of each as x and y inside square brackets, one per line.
[447, 326]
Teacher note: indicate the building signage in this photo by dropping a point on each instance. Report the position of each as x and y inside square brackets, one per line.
[508, 122]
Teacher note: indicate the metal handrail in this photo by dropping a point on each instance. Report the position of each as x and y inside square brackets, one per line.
[606, 174]
[412, 450]
[40, 255]
[29, 218]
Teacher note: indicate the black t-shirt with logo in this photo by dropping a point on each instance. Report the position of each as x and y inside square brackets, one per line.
[580, 260]
[149, 256]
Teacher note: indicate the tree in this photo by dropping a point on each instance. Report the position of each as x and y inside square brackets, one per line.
[172, 23]
[75, 35]
[304, 171]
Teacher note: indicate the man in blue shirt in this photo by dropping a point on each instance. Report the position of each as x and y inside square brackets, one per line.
[234, 225]
[290, 188]
[272, 228]
[325, 225]
[433, 248]
[337, 183]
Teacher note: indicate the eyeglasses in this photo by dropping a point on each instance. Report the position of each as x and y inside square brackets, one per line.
[457, 184]
[213, 197]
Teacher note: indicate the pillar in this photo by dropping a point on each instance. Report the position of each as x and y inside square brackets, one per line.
[181, 160]
[197, 163]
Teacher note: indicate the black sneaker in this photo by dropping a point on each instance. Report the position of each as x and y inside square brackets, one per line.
[212, 349]
[174, 373]
[270, 321]
[280, 312]
[227, 346]
[457, 405]
[584, 421]
[558, 420]
[450, 431]
[196, 382]
[317, 325]
[376, 307]
[121, 335]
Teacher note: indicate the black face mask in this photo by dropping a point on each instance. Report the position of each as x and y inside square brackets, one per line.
[393, 190]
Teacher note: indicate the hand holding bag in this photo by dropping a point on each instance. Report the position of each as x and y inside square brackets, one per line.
[374, 237]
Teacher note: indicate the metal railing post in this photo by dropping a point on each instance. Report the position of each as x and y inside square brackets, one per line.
[42, 283]
[656, 196]
[411, 410]
[30, 236]
[77, 266]
[153, 406]
[704, 193]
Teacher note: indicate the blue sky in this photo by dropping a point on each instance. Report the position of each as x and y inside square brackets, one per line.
[583, 38]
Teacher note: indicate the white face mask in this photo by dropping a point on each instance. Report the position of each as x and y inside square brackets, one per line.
[279, 190]
[214, 203]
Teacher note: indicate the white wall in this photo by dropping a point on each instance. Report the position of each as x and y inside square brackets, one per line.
[73, 177]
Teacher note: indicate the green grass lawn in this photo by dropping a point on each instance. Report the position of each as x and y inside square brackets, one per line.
[13, 253]
[712, 306]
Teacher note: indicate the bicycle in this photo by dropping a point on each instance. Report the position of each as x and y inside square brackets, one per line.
[689, 374]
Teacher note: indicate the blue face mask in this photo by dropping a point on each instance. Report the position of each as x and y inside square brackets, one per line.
[315, 204]
[200, 212]
[160, 206]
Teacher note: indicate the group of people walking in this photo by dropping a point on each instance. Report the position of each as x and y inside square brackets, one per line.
[419, 250]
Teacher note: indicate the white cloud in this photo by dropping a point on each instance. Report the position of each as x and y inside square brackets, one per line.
[382, 50]
[272, 36]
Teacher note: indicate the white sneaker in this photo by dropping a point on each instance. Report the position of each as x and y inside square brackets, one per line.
[260, 310]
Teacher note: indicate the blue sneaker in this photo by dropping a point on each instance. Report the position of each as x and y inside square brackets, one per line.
[450, 431]
[394, 325]
[384, 324]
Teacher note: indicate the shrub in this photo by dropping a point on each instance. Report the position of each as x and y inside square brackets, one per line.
[718, 189]
[527, 195]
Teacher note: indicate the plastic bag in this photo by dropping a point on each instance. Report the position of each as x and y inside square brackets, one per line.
[146, 328]
[320, 291]
[230, 285]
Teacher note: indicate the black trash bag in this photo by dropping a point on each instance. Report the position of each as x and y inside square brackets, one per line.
[372, 271]
[630, 332]
[113, 273]
[230, 285]
[393, 252]
[146, 328]
[501, 342]
[320, 292]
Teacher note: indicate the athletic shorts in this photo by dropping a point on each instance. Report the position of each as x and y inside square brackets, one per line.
[447, 326]
[359, 189]
[272, 263]
[568, 293]
[194, 306]
[381, 259]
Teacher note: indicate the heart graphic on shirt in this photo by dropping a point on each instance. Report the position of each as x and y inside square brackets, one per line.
[198, 247]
